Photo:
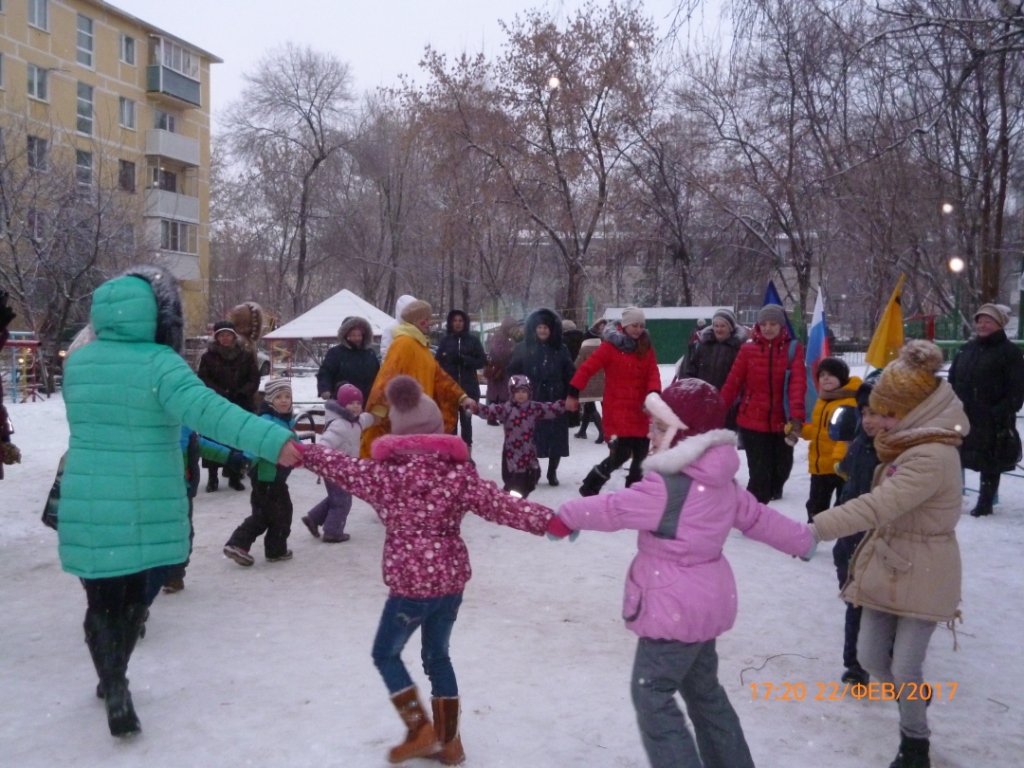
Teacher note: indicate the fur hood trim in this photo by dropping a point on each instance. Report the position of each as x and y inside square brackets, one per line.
[449, 447]
[170, 318]
[247, 318]
[350, 324]
[675, 460]
[738, 336]
[551, 319]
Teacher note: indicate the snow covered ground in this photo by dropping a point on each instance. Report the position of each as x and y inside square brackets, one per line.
[270, 666]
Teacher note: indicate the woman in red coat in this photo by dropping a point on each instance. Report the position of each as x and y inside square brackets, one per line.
[768, 410]
[627, 358]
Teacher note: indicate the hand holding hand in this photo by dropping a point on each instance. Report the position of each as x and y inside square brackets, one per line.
[238, 463]
[572, 403]
[470, 404]
[559, 530]
[810, 552]
[792, 431]
[291, 454]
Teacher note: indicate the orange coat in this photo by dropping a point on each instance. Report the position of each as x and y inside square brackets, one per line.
[409, 354]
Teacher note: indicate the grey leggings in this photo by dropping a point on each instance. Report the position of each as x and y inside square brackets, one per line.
[892, 648]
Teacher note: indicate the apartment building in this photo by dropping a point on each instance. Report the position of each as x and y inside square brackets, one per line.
[130, 103]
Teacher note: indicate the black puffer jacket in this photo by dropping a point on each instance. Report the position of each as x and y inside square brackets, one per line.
[343, 363]
[711, 359]
[232, 372]
[550, 369]
[461, 355]
[988, 377]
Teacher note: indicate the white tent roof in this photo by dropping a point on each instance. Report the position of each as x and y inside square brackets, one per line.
[322, 321]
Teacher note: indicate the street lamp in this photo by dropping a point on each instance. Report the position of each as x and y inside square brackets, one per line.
[947, 208]
[553, 83]
[956, 266]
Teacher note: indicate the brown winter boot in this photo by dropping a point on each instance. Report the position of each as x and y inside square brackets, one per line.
[420, 740]
[446, 728]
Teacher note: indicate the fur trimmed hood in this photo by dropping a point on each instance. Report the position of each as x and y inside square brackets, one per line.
[119, 312]
[738, 336]
[551, 319]
[447, 447]
[247, 318]
[675, 460]
[350, 324]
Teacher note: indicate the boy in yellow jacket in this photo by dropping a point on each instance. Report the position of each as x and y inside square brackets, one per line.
[835, 388]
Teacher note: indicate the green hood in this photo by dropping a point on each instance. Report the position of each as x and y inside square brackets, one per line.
[124, 309]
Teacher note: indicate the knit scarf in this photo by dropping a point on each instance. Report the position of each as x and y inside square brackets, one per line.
[408, 329]
[889, 445]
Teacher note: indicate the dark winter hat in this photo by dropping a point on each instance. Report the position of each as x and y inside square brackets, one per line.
[864, 394]
[772, 313]
[727, 315]
[412, 412]
[837, 368]
[689, 407]
[276, 386]
[520, 382]
[224, 325]
[349, 393]
[415, 311]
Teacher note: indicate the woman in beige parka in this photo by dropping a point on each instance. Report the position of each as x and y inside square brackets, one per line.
[906, 572]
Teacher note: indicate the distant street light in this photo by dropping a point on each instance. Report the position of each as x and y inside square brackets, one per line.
[631, 44]
[553, 83]
[956, 265]
[947, 208]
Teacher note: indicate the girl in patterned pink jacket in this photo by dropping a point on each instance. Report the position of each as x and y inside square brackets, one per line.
[422, 484]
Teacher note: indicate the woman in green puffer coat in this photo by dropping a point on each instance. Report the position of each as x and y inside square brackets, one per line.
[123, 506]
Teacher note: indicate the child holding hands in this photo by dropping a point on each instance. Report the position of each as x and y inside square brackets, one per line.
[680, 592]
[520, 469]
[421, 483]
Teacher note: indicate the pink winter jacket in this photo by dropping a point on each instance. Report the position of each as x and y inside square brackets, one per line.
[421, 487]
[683, 588]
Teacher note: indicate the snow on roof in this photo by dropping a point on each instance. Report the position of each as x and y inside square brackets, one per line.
[323, 320]
[668, 313]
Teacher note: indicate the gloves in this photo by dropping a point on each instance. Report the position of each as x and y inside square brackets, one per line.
[559, 530]
[238, 462]
[792, 431]
[11, 454]
[810, 552]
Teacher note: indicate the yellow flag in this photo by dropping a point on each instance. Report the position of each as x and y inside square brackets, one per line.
[888, 338]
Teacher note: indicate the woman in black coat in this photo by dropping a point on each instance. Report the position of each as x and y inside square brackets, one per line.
[988, 377]
[461, 355]
[715, 351]
[544, 359]
[351, 361]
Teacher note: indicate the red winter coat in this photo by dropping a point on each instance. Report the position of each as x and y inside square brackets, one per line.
[421, 487]
[758, 378]
[628, 380]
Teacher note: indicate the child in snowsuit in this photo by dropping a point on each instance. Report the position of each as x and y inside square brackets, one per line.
[835, 388]
[344, 422]
[680, 591]
[520, 469]
[421, 483]
[906, 573]
[857, 468]
[271, 502]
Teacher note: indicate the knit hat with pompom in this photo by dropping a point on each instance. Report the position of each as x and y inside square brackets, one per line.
[908, 380]
[349, 393]
[410, 411]
[688, 407]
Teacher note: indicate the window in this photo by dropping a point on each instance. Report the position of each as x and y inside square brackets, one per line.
[83, 168]
[38, 82]
[38, 151]
[85, 41]
[128, 50]
[177, 236]
[165, 121]
[162, 179]
[126, 175]
[38, 14]
[127, 113]
[180, 59]
[84, 124]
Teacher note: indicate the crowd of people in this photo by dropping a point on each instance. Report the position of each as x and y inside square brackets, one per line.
[398, 434]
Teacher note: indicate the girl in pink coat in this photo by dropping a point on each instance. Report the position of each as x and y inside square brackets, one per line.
[421, 483]
[680, 591]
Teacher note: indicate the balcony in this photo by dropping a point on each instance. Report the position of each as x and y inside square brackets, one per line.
[162, 81]
[173, 146]
[184, 266]
[161, 204]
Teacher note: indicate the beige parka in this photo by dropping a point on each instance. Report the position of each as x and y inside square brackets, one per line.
[909, 563]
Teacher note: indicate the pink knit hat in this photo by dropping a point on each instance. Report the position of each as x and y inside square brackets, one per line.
[410, 411]
[349, 393]
[688, 407]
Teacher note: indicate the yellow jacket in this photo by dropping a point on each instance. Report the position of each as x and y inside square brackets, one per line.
[824, 453]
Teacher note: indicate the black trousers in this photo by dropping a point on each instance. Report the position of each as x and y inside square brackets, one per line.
[114, 595]
[623, 449]
[822, 489]
[989, 487]
[465, 426]
[590, 415]
[271, 514]
[769, 461]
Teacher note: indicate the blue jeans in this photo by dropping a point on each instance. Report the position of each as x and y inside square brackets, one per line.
[435, 617]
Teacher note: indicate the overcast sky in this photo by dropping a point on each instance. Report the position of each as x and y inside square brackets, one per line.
[379, 39]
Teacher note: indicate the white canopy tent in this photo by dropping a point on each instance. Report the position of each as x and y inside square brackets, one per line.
[323, 320]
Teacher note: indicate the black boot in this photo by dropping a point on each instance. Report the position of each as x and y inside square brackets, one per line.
[109, 638]
[982, 510]
[913, 754]
[593, 482]
[213, 482]
[235, 482]
[599, 423]
[553, 470]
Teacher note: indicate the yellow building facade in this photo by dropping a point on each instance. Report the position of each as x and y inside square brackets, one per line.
[128, 103]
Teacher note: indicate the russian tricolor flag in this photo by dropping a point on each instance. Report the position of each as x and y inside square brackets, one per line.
[817, 349]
